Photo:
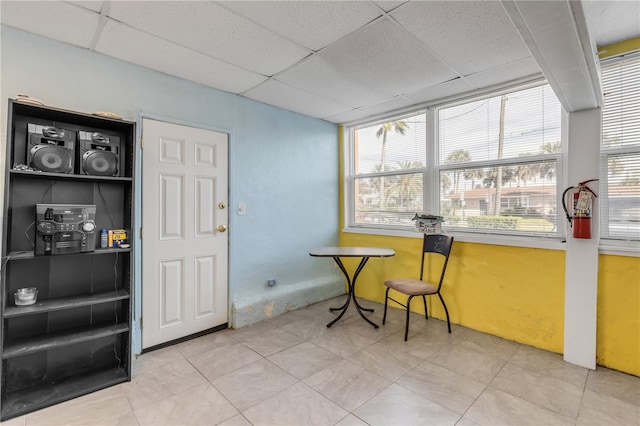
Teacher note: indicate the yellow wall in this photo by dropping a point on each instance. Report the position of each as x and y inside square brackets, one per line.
[618, 329]
[619, 48]
[513, 292]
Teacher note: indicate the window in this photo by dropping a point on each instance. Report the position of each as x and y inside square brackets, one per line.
[389, 165]
[498, 161]
[620, 149]
[488, 165]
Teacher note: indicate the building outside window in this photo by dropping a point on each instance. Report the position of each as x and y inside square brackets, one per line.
[486, 165]
[620, 149]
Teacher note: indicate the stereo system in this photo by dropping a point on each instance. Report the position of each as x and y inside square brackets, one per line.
[55, 150]
[65, 228]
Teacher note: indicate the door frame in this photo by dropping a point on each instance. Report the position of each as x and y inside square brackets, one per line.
[136, 332]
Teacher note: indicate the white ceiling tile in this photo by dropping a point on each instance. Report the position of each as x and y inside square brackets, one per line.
[65, 22]
[387, 105]
[126, 43]
[394, 103]
[443, 90]
[347, 117]
[211, 29]
[389, 5]
[96, 6]
[318, 76]
[502, 74]
[415, 54]
[470, 36]
[605, 25]
[279, 94]
[386, 58]
[313, 24]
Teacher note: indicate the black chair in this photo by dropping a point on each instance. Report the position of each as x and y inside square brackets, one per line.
[439, 245]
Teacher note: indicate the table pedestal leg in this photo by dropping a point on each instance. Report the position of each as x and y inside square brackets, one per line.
[352, 293]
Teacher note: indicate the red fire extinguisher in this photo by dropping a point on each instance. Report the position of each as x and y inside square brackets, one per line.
[580, 219]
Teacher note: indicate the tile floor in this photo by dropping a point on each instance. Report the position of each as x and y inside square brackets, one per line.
[292, 370]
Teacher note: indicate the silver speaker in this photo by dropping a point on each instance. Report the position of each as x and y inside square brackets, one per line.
[51, 149]
[99, 154]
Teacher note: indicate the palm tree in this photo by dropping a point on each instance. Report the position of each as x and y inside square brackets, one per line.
[551, 147]
[458, 156]
[407, 188]
[445, 183]
[490, 180]
[524, 172]
[398, 126]
[473, 174]
[548, 170]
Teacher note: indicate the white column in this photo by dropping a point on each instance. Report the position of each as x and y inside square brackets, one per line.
[581, 262]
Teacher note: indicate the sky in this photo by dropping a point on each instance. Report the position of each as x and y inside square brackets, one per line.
[473, 127]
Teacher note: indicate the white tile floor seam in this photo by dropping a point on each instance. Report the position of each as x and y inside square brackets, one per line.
[223, 395]
[293, 370]
[486, 386]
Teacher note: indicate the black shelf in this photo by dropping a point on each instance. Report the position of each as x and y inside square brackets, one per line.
[65, 303]
[77, 338]
[48, 112]
[29, 345]
[47, 175]
[21, 255]
[47, 394]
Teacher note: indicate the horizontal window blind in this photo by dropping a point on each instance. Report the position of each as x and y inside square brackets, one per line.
[621, 114]
[393, 145]
[620, 167]
[472, 131]
[525, 201]
[388, 200]
[621, 206]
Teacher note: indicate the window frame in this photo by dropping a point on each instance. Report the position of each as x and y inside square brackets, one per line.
[431, 173]
[351, 176]
[607, 242]
[511, 162]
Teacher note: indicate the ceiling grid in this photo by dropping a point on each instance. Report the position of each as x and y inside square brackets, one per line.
[343, 61]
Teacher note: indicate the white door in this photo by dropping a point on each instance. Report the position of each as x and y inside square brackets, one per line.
[184, 219]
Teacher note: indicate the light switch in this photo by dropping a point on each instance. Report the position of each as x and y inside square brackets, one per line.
[242, 209]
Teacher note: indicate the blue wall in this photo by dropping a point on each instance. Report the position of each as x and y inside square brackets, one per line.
[282, 165]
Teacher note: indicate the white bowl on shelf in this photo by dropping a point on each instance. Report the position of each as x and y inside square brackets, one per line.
[26, 296]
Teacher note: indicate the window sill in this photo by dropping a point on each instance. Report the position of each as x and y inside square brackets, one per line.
[620, 248]
[610, 247]
[549, 243]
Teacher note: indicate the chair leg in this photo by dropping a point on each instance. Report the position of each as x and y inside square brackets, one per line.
[406, 327]
[424, 301]
[386, 299]
[446, 311]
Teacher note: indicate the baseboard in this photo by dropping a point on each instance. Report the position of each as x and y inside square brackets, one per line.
[249, 309]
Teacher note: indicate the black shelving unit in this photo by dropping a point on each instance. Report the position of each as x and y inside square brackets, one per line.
[76, 338]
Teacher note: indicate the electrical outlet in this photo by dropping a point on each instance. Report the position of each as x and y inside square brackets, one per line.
[242, 209]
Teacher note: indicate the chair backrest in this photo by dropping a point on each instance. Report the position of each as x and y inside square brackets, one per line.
[440, 244]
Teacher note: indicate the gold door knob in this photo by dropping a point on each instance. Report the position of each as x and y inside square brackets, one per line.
[221, 228]
[222, 206]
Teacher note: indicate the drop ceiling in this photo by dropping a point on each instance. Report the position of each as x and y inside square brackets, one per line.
[337, 60]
